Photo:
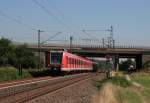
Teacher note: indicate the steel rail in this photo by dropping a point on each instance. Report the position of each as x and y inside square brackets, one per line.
[11, 83]
[51, 87]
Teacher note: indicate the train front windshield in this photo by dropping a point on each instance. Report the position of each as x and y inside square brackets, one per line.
[56, 58]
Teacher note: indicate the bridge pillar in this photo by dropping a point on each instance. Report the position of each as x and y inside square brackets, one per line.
[116, 62]
[145, 58]
[139, 62]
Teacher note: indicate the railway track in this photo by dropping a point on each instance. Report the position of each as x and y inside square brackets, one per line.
[39, 88]
[11, 83]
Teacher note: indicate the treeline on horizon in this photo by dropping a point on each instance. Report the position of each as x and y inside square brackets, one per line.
[16, 56]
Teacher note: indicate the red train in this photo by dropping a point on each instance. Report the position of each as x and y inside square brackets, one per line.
[64, 61]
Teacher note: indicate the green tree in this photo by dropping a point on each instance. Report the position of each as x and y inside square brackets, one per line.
[6, 51]
[25, 57]
[16, 55]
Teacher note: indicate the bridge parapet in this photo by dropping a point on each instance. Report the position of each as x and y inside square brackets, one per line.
[90, 48]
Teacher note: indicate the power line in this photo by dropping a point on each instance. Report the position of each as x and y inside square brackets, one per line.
[111, 41]
[87, 34]
[16, 20]
[51, 14]
[21, 23]
[56, 9]
[59, 40]
[51, 37]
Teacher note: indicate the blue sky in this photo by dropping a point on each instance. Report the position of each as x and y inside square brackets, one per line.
[129, 18]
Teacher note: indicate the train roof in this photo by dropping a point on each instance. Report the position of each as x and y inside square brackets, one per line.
[73, 55]
[76, 56]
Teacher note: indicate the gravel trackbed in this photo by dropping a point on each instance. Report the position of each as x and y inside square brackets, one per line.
[81, 92]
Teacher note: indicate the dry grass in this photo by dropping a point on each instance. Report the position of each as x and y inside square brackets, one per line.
[118, 90]
[106, 94]
[114, 73]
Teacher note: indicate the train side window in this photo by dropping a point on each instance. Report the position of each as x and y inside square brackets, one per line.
[78, 62]
[84, 63]
[67, 59]
[81, 63]
[73, 61]
[70, 61]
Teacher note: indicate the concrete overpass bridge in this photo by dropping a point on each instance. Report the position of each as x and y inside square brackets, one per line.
[141, 54]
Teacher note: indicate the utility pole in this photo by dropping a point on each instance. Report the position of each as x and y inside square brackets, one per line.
[111, 33]
[71, 38]
[103, 42]
[111, 37]
[39, 48]
[113, 43]
[115, 58]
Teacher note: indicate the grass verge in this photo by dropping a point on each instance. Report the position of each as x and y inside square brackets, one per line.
[127, 95]
[117, 80]
[11, 73]
[146, 93]
[141, 78]
[120, 90]
[120, 81]
[99, 83]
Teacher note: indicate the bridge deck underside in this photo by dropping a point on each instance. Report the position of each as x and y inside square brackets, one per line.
[99, 52]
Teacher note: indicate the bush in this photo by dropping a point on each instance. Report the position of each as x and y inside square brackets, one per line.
[6, 51]
[11, 73]
[141, 78]
[121, 81]
[127, 95]
[17, 56]
[99, 83]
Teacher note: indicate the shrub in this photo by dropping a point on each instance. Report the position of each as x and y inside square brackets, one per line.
[11, 73]
[11, 55]
[121, 81]
[99, 83]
